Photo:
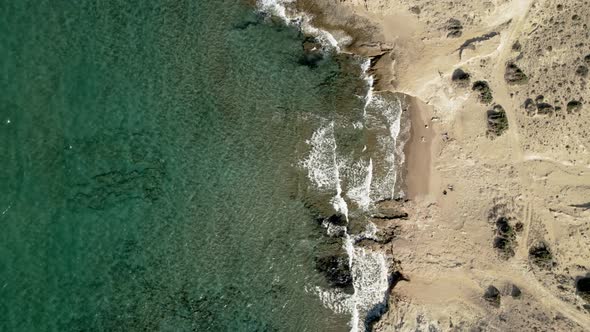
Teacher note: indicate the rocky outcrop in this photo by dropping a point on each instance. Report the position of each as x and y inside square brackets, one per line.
[312, 53]
[469, 43]
[583, 288]
[514, 75]
[573, 106]
[497, 121]
[460, 77]
[454, 28]
[540, 255]
[492, 296]
[515, 292]
[484, 91]
[504, 241]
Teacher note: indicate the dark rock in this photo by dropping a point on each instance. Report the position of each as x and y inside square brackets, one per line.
[573, 106]
[383, 236]
[514, 75]
[516, 47]
[540, 255]
[485, 93]
[337, 219]
[501, 242]
[390, 209]
[530, 107]
[460, 77]
[515, 291]
[587, 59]
[470, 43]
[391, 214]
[415, 10]
[454, 28]
[387, 235]
[376, 312]
[504, 247]
[492, 295]
[497, 121]
[582, 71]
[336, 270]
[505, 238]
[503, 226]
[545, 109]
[312, 53]
[583, 288]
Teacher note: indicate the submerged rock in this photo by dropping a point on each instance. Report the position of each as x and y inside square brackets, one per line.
[336, 270]
[336, 219]
[312, 53]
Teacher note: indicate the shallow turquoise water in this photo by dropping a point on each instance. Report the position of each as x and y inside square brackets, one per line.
[150, 168]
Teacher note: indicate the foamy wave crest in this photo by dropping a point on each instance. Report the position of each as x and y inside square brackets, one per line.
[321, 169]
[333, 299]
[370, 80]
[360, 184]
[323, 165]
[284, 10]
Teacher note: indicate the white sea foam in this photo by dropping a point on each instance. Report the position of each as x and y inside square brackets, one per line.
[369, 79]
[280, 8]
[320, 165]
[360, 191]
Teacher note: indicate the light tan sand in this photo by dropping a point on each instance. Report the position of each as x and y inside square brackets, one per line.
[418, 149]
[536, 174]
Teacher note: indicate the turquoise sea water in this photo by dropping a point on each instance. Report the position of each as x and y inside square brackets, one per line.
[150, 168]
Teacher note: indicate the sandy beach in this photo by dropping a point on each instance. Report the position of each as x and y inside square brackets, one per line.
[418, 150]
[498, 161]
